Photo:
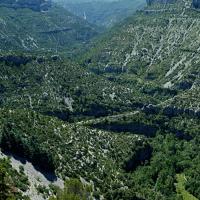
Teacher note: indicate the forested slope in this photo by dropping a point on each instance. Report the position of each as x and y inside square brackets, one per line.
[123, 118]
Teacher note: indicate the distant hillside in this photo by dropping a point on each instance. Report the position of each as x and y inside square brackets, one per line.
[103, 13]
[54, 30]
[36, 5]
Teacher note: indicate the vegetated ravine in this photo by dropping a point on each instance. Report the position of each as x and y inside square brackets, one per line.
[115, 115]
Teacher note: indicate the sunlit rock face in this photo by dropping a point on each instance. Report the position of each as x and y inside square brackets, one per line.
[196, 3]
[36, 5]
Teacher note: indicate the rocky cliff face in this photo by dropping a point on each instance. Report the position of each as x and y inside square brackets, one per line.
[36, 5]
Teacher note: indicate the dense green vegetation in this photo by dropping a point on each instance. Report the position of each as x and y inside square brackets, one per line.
[180, 188]
[12, 182]
[174, 144]
[78, 151]
[57, 87]
[74, 190]
[143, 169]
[123, 118]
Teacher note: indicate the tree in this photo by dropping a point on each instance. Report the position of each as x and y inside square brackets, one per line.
[5, 187]
[74, 190]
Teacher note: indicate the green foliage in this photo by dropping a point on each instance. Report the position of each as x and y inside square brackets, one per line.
[74, 190]
[11, 182]
[4, 185]
[180, 188]
[128, 148]
[60, 88]
[77, 150]
[13, 141]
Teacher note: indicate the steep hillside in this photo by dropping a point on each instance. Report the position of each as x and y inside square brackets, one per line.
[70, 150]
[130, 156]
[122, 121]
[157, 49]
[54, 30]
